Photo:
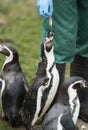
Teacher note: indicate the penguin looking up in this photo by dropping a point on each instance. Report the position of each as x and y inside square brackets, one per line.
[13, 84]
[64, 113]
[42, 91]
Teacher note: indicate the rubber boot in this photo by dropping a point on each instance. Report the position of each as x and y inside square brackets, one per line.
[61, 71]
[79, 67]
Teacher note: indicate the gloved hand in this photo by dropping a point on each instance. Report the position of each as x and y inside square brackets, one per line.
[45, 7]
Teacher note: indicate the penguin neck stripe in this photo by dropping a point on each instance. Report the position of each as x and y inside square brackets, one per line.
[8, 58]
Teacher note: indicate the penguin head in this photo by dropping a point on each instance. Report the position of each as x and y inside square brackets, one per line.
[75, 84]
[9, 51]
[79, 84]
[47, 45]
[48, 41]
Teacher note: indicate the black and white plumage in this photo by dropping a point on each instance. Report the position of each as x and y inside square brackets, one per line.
[42, 92]
[64, 113]
[13, 84]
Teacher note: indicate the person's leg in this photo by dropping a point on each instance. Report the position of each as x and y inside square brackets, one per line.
[65, 32]
[79, 66]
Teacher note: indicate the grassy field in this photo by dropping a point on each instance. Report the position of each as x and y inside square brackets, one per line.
[20, 25]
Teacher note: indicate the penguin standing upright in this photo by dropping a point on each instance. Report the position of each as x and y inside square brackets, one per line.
[13, 84]
[64, 113]
[42, 92]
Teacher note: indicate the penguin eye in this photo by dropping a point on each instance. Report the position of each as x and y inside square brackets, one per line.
[76, 86]
[45, 81]
[6, 52]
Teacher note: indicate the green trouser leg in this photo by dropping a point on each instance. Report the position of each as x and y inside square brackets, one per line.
[82, 37]
[65, 19]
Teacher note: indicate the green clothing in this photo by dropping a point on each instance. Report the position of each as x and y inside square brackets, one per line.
[70, 25]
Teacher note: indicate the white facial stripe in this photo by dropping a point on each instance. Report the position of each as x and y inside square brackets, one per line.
[59, 125]
[8, 58]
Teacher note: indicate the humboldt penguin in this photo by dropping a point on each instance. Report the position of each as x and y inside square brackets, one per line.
[13, 84]
[64, 113]
[42, 91]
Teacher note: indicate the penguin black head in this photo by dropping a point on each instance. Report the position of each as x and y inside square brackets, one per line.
[75, 82]
[9, 51]
[47, 45]
[78, 83]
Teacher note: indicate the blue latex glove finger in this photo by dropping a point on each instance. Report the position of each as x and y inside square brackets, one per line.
[51, 9]
[44, 13]
[45, 7]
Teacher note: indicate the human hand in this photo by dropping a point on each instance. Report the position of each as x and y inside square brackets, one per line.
[45, 8]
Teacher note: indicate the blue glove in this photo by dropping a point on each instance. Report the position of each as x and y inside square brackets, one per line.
[45, 7]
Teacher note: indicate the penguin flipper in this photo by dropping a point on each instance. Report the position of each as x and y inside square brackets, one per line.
[67, 122]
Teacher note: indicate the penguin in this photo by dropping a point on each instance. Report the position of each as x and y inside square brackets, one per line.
[13, 84]
[64, 113]
[43, 89]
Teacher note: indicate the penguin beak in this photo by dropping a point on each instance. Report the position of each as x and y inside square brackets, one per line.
[4, 51]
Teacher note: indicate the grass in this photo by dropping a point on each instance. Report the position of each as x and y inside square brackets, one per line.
[20, 25]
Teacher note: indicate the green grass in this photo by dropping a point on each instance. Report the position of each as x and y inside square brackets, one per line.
[20, 25]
